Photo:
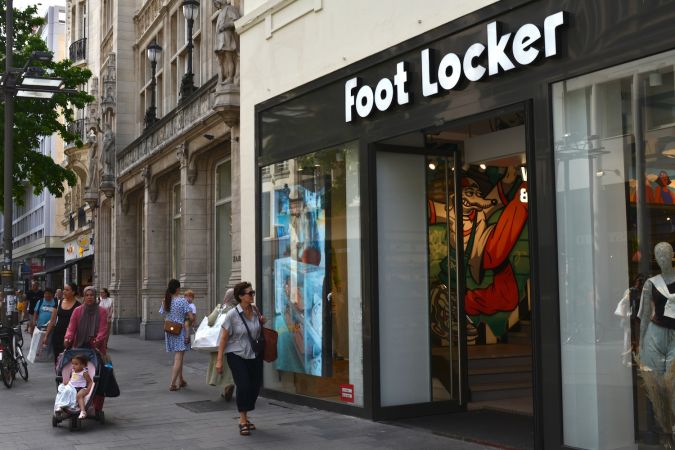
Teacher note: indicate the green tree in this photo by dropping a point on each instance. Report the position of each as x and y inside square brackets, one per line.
[35, 118]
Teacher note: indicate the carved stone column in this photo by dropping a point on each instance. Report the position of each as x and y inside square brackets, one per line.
[235, 274]
[227, 106]
[155, 256]
[195, 227]
[126, 266]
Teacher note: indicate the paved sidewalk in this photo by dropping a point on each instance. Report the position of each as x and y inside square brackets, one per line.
[146, 415]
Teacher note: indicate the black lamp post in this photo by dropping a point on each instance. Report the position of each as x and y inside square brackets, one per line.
[17, 82]
[190, 11]
[154, 52]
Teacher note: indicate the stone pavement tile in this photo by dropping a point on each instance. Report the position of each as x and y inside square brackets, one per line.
[146, 417]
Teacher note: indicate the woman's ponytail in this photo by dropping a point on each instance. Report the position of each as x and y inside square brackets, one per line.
[174, 285]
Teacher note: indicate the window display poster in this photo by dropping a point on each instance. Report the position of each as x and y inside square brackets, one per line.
[301, 312]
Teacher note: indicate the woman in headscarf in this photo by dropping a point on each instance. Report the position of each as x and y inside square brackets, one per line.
[88, 325]
[224, 379]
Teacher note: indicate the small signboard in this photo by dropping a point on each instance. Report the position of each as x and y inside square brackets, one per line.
[347, 393]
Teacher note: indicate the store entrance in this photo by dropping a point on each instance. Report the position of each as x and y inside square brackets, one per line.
[458, 199]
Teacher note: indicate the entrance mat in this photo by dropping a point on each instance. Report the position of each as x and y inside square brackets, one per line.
[204, 406]
[486, 427]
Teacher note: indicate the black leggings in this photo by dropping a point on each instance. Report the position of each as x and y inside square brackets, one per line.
[247, 374]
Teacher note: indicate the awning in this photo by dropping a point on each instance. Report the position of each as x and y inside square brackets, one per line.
[69, 263]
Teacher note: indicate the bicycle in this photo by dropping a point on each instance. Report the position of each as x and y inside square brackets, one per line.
[12, 360]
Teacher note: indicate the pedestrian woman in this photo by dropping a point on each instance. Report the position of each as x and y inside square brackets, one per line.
[60, 320]
[224, 378]
[108, 304]
[176, 308]
[236, 344]
[88, 325]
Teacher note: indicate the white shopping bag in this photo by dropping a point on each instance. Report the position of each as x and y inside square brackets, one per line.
[65, 397]
[207, 338]
[36, 353]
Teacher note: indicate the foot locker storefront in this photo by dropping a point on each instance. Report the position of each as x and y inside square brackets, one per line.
[457, 232]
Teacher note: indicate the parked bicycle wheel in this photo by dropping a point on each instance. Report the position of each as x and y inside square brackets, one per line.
[6, 372]
[21, 364]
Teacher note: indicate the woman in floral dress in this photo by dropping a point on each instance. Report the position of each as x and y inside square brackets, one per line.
[176, 308]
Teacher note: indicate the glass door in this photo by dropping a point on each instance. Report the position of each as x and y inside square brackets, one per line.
[445, 330]
[420, 324]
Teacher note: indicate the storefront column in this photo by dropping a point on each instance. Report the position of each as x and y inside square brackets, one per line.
[195, 227]
[155, 256]
[125, 268]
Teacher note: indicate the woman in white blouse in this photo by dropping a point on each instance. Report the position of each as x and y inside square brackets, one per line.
[107, 303]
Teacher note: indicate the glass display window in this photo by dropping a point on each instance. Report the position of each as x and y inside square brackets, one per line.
[311, 274]
[614, 144]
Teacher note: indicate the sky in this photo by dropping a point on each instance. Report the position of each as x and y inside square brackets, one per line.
[43, 4]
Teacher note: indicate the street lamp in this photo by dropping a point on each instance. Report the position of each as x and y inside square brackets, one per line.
[23, 82]
[154, 52]
[190, 11]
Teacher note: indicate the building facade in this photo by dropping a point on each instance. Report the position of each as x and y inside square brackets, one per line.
[175, 187]
[544, 128]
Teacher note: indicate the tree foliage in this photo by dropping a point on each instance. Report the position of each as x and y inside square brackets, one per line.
[36, 118]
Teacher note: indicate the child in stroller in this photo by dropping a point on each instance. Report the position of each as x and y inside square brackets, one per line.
[78, 373]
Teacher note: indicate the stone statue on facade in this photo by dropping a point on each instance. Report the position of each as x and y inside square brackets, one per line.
[108, 150]
[227, 42]
[92, 160]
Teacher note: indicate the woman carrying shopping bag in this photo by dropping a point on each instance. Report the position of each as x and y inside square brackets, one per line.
[223, 379]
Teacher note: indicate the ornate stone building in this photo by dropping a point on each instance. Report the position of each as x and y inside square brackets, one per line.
[159, 171]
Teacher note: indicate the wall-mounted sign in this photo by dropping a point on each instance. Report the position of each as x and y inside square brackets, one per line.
[443, 73]
[347, 393]
[79, 247]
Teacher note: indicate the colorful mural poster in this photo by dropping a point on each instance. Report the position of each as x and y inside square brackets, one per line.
[496, 251]
[300, 279]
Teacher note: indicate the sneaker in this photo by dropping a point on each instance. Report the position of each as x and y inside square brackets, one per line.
[83, 415]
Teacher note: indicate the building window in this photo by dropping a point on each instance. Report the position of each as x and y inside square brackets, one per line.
[176, 241]
[614, 144]
[311, 274]
[223, 227]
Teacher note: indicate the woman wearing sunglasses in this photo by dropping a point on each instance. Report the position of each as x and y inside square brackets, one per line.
[242, 327]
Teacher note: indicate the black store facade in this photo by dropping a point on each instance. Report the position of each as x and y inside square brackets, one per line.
[546, 129]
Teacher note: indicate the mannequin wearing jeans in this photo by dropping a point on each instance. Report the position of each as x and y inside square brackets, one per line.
[657, 327]
[657, 324]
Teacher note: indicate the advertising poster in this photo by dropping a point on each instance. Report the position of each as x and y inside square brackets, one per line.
[300, 279]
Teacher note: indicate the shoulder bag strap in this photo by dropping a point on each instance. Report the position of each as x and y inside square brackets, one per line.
[246, 325]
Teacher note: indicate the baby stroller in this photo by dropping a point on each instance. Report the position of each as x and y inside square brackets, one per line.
[93, 403]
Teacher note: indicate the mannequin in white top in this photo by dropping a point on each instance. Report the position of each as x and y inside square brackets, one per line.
[657, 313]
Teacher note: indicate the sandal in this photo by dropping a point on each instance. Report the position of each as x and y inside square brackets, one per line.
[173, 387]
[183, 383]
[251, 426]
[244, 429]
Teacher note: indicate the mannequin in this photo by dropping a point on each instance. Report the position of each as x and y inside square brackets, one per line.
[657, 314]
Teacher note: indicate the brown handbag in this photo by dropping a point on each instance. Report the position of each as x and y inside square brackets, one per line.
[173, 327]
[270, 352]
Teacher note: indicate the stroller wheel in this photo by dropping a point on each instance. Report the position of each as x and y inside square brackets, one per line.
[100, 415]
[73, 423]
[55, 421]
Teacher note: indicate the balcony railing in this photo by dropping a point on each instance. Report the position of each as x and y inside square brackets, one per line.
[78, 50]
[77, 127]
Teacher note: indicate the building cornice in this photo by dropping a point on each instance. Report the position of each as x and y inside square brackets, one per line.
[276, 14]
